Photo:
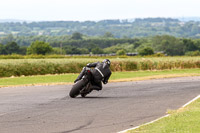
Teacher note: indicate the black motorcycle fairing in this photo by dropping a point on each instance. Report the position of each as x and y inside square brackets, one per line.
[84, 86]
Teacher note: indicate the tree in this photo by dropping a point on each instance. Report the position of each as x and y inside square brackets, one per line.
[169, 44]
[195, 29]
[189, 45]
[197, 43]
[12, 48]
[121, 52]
[72, 50]
[39, 47]
[113, 49]
[175, 48]
[77, 36]
[7, 39]
[2, 49]
[58, 50]
[84, 51]
[90, 46]
[97, 50]
[23, 50]
[193, 53]
[146, 51]
[108, 35]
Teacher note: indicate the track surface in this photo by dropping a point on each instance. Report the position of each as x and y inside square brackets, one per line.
[49, 109]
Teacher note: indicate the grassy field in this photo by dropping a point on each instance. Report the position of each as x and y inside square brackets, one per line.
[115, 77]
[183, 120]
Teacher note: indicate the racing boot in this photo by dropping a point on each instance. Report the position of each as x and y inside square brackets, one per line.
[97, 88]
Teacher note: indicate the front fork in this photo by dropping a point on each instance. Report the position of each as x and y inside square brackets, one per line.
[87, 82]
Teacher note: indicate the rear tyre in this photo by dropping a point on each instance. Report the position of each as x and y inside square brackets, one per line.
[75, 91]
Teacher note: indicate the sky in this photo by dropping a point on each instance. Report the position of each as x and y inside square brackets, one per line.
[95, 10]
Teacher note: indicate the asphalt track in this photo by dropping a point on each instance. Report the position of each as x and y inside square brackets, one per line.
[122, 105]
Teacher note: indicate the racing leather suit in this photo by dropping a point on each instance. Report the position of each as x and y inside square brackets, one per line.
[101, 72]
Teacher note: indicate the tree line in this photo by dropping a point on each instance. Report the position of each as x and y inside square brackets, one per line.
[119, 28]
[78, 43]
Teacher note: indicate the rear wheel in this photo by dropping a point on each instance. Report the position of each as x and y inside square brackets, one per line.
[75, 91]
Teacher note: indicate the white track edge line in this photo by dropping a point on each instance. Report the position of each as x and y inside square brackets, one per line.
[191, 101]
[124, 131]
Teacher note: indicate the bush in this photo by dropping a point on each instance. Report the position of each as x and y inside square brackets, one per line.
[193, 53]
[97, 50]
[146, 51]
[39, 47]
[159, 55]
[121, 52]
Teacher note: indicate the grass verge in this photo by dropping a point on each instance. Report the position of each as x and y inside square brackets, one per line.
[116, 77]
[183, 120]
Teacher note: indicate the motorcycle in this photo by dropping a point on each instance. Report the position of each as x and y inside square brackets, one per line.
[83, 86]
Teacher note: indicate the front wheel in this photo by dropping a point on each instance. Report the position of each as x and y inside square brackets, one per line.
[75, 91]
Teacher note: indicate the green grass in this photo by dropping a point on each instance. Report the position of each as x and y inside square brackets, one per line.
[116, 76]
[137, 74]
[184, 120]
[40, 79]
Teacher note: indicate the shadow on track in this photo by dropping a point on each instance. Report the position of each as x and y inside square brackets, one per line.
[95, 97]
[98, 97]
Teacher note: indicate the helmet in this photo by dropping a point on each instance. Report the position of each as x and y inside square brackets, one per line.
[107, 61]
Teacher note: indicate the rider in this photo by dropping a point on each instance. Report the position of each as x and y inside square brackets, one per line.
[101, 72]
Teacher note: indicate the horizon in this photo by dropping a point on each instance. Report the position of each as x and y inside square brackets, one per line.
[187, 18]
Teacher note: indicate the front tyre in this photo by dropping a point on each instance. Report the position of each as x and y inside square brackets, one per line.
[75, 91]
